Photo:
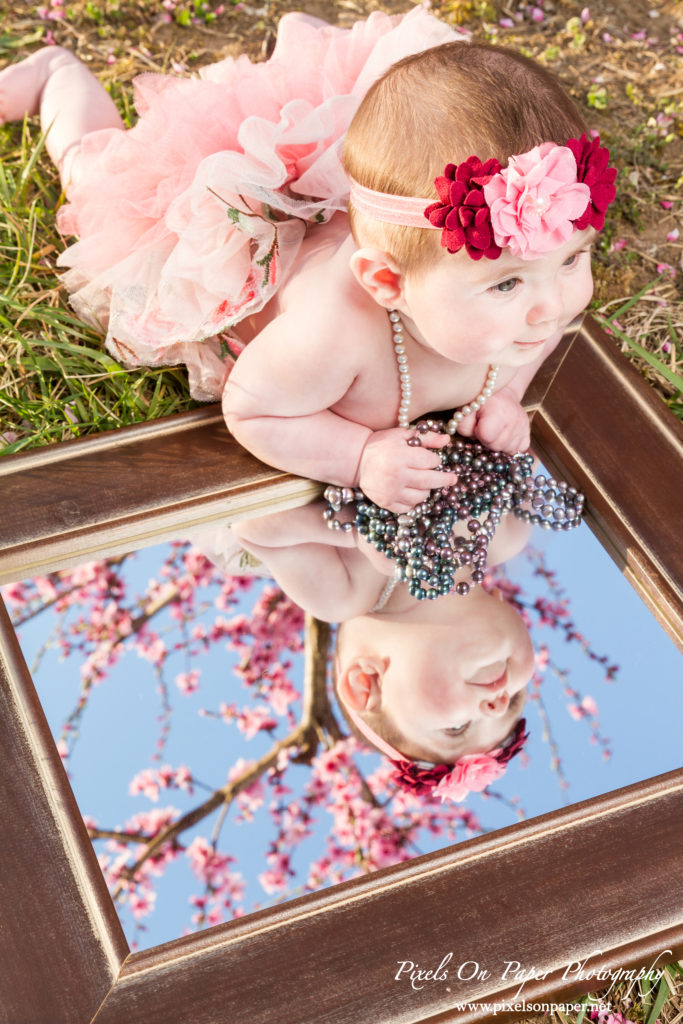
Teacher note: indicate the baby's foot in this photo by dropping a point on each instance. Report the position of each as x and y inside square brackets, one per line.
[22, 84]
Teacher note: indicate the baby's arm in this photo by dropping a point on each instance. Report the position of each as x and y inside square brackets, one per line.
[502, 424]
[319, 568]
[277, 403]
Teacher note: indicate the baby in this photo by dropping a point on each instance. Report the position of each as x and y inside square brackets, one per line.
[448, 282]
[440, 682]
[378, 328]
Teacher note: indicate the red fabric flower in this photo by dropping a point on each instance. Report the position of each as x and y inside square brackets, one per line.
[592, 168]
[514, 744]
[463, 212]
[411, 777]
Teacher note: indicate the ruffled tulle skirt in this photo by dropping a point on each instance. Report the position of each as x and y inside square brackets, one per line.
[189, 221]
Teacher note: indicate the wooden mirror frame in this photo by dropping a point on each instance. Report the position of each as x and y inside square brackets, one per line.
[593, 880]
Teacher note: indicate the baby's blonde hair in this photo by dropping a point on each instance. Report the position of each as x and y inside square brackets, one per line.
[442, 106]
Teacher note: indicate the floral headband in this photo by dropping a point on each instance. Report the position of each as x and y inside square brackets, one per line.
[470, 774]
[531, 207]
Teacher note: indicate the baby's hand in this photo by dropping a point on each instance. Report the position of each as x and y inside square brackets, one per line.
[502, 425]
[398, 476]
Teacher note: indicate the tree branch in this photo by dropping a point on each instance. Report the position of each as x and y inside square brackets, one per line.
[316, 716]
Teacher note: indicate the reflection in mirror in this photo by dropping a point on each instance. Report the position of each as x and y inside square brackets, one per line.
[210, 758]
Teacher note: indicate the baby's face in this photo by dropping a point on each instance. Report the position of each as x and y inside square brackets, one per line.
[498, 311]
[458, 688]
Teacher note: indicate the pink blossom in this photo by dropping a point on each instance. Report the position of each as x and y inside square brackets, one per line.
[472, 773]
[142, 904]
[253, 720]
[183, 778]
[590, 706]
[537, 14]
[146, 782]
[666, 204]
[541, 659]
[535, 199]
[585, 15]
[673, 235]
[619, 245]
[188, 682]
[666, 268]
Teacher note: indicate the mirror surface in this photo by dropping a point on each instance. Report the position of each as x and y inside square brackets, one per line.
[163, 679]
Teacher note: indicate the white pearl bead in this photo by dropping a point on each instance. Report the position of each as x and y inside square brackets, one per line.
[487, 391]
[466, 410]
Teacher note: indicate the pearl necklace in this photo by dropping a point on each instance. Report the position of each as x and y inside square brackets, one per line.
[426, 552]
[407, 387]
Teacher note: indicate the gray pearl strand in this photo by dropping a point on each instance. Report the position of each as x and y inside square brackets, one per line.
[426, 552]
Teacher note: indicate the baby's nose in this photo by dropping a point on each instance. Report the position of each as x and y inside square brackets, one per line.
[547, 307]
[495, 706]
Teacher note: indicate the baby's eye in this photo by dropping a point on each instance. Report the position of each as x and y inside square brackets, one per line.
[506, 286]
[574, 259]
[457, 730]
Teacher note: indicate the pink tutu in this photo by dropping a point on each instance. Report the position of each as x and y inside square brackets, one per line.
[188, 222]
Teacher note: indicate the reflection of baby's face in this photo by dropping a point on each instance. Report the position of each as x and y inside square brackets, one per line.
[456, 686]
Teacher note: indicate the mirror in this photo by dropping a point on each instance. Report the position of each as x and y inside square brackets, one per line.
[103, 497]
[158, 659]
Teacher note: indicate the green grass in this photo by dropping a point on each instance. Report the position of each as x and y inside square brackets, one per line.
[656, 346]
[57, 380]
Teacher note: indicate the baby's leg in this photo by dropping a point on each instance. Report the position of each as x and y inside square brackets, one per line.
[70, 100]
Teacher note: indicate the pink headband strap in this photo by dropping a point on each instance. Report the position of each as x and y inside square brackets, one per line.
[392, 753]
[408, 211]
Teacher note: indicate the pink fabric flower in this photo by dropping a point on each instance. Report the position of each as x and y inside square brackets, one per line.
[535, 200]
[462, 211]
[471, 773]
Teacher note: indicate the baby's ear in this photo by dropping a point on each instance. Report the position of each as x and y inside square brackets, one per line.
[360, 683]
[377, 273]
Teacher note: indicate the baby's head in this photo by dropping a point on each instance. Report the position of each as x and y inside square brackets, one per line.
[440, 684]
[439, 107]
[475, 197]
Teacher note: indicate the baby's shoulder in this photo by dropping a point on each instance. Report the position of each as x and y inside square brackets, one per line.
[327, 310]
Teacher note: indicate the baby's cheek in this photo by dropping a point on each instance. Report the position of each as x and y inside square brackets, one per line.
[587, 290]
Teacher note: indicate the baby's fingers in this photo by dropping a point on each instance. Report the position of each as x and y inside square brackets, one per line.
[431, 439]
[467, 424]
[430, 479]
